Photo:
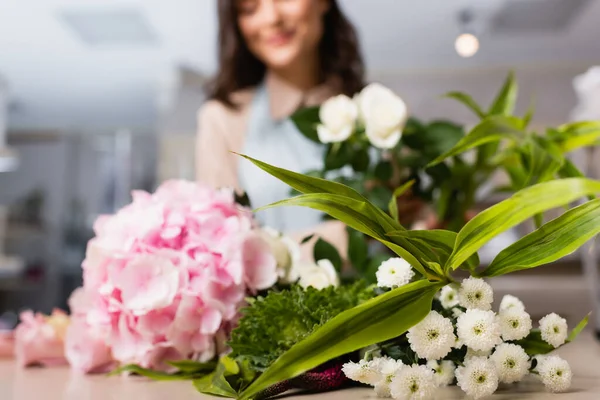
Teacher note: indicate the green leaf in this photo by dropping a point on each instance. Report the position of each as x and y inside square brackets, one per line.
[193, 366]
[491, 129]
[379, 196]
[399, 191]
[442, 240]
[324, 250]
[358, 249]
[579, 134]
[312, 185]
[337, 156]
[435, 139]
[569, 170]
[306, 120]
[505, 101]
[307, 238]
[516, 209]
[370, 274]
[551, 242]
[410, 258]
[382, 318]
[467, 101]
[361, 160]
[534, 345]
[152, 374]
[384, 171]
[529, 114]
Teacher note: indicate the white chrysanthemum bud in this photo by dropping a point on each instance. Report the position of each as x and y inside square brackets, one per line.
[475, 293]
[413, 383]
[388, 368]
[515, 324]
[394, 272]
[511, 361]
[449, 297]
[443, 371]
[555, 373]
[478, 378]
[479, 330]
[433, 337]
[457, 312]
[511, 302]
[363, 371]
[338, 117]
[554, 329]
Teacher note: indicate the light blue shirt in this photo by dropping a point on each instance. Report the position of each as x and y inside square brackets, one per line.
[278, 143]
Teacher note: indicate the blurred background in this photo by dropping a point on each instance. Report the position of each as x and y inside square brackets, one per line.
[99, 97]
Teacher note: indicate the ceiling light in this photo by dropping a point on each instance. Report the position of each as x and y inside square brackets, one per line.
[466, 45]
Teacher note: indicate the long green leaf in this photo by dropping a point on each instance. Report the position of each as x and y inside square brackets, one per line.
[467, 101]
[510, 212]
[399, 191]
[442, 240]
[159, 375]
[306, 120]
[579, 134]
[309, 185]
[534, 345]
[382, 318]
[491, 129]
[551, 242]
[505, 101]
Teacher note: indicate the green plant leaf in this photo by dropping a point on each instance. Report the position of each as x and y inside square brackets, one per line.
[382, 318]
[306, 120]
[337, 156]
[311, 185]
[379, 196]
[193, 366]
[361, 160]
[467, 101]
[505, 101]
[434, 139]
[442, 240]
[324, 250]
[579, 134]
[534, 345]
[384, 171]
[542, 160]
[529, 114]
[399, 191]
[551, 242]
[358, 249]
[491, 129]
[516, 209]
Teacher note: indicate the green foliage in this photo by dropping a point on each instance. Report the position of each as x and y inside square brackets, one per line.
[381, 318]
[323, 250]
[271, 325]
[185, 370]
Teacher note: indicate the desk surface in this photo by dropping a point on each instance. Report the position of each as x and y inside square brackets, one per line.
[61, 384]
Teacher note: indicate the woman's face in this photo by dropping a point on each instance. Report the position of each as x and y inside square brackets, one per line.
[281, 32]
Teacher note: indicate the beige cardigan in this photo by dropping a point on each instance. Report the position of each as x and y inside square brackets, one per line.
[222, 130]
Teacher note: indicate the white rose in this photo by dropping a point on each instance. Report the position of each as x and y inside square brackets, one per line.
[286, 252]
[338, 118]
[383, 115]
[319, 276]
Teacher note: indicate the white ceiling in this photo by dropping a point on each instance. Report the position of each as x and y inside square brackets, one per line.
[58, 81]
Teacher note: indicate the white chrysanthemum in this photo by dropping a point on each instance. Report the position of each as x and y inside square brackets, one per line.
[449, 297]
[394, 272]
[477, 353]
[478, 378]
[479, 330]
[475, 293]
[554, 329]
[443, 371]
[433, 337]
[388, 368]
[413, 383]
[511, 302]
[511, 361]
[457, 312]
[515, 324]
[366, 372]
[555, 373]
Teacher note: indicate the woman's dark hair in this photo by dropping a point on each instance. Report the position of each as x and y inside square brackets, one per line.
[239, 69]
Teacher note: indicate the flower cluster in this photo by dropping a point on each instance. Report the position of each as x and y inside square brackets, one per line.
[164, 279]
[465, 342]
[376, 108]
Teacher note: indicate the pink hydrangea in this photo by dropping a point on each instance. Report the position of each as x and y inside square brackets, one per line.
[39, 339]
[165, 276]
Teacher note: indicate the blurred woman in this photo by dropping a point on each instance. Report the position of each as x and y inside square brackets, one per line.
[275, 56]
